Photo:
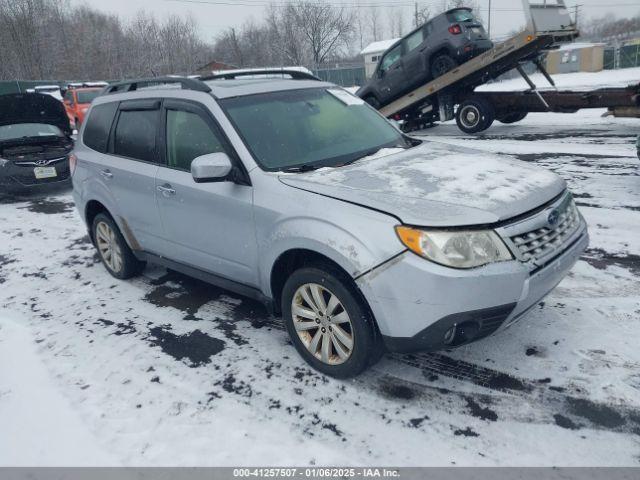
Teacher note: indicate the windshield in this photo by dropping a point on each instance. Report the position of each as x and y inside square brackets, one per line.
[21, 130]
[309, 127]
[87, 96]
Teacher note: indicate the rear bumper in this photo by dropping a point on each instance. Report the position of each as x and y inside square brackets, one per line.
[416, 302]
[473, 49]
[20, 177]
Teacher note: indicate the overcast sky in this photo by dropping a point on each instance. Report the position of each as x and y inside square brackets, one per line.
[213, 18]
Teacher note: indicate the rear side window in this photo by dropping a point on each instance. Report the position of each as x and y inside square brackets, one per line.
[98, 126]
[414, 40]
[460, 16]
[135, 134]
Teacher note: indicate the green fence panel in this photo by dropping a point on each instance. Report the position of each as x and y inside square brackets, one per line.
[345, 77]
[609, 59]
[18, 86]
[629, 56]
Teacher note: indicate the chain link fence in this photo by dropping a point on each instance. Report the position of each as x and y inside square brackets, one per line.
[627, 56]
[345, 76]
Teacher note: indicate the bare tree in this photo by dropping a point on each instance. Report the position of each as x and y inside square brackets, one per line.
[325, 27]
[50, 39]
[375, 27]
[422, 14]
[396, 22]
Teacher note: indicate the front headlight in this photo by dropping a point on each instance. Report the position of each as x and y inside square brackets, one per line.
[457, 249]
[3, 162]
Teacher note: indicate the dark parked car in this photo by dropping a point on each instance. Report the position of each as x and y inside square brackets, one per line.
[35, 141]
[428, 52]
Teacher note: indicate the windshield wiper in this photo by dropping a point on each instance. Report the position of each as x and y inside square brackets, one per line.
[373, 152]
[301, 168]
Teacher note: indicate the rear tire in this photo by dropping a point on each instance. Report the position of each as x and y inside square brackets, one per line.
[373, 101]
[113, 250]
[442, 64]
[335, 333]
[475, 115]
[512, 117]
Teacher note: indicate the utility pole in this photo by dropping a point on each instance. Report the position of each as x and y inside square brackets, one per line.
[489, 21]
[416, 14]
[576, 12]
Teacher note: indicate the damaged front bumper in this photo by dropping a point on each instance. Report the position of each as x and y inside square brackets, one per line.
[422, 306]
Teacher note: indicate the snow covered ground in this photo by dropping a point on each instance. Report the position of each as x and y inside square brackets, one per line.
[165, 370]
[575, 81]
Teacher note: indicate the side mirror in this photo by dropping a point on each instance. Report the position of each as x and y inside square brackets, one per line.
[212, 167]
[380, 73]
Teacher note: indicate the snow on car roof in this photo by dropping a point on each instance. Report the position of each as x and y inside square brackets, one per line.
[251, 86]
[378, 47]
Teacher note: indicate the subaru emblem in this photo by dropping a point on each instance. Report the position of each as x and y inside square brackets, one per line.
[553, 217]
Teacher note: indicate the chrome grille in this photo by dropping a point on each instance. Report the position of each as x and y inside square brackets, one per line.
[541, 242]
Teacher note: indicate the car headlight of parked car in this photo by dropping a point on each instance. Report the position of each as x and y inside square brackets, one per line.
[456, 249]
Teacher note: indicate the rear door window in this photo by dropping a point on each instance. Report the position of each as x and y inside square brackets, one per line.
[413, 41]
[98, 126]
[136, 133]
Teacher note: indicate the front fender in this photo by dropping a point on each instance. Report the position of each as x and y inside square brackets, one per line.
[326, 238]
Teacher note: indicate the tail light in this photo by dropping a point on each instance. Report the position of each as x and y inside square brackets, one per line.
[73, 163]
[455, 29]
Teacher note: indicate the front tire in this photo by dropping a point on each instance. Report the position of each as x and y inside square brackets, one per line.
[475, 115]
[328, 322]
[113, 250]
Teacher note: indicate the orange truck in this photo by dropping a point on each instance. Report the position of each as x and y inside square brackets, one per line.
[77, 102]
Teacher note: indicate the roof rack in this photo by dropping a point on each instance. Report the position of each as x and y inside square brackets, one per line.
[294, 74]
[132, 85]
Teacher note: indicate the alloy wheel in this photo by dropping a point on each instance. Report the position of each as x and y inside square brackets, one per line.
[108, 246]
[322, 324]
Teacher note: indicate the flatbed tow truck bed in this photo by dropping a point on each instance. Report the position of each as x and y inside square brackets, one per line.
[547, 26]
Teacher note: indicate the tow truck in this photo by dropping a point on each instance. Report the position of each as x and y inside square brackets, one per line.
[548, 26]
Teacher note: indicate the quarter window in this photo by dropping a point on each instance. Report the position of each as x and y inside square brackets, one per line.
[98, 126]
[135, 135]
[390, 58]
[188, 137]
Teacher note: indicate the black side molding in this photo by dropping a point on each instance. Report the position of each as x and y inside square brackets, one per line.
[213, 279]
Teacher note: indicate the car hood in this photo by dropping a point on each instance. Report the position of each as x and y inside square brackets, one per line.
[33, 108]
[436, 185]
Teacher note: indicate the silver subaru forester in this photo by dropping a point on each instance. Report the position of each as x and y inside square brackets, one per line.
[295, 192]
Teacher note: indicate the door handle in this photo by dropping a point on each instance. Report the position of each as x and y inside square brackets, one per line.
[106, 174]
[166, 190]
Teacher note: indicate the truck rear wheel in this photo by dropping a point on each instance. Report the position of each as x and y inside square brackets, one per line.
[475, 115]
[512, 117]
